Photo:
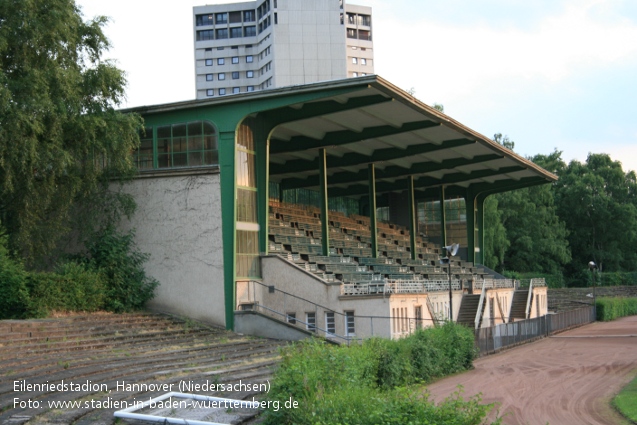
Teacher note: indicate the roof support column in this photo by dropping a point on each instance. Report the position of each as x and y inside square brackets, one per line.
[262, 147]
[413, 226]
[228, 219]
[443, 218]
[479, 258]
[372, 209]
[470, 201]
[325, 228]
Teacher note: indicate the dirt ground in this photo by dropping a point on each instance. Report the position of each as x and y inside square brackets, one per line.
[566, 379]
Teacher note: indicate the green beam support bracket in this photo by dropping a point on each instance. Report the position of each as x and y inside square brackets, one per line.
[443, 218]
[480, 223]
[325, 229]
[372, 209]
[413, 226]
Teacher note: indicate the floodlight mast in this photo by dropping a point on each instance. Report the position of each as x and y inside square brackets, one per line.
[450, 251]
[592, 266]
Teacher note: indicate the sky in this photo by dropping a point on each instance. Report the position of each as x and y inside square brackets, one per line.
[550, 74]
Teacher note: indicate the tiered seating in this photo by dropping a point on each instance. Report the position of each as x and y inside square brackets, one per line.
[295, 232]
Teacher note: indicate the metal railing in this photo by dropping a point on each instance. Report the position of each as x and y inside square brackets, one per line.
[495, 338]
[391, 286]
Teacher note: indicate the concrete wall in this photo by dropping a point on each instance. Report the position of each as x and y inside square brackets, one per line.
[540, 302]
[178, 222]
[505, 295]
[299, 292]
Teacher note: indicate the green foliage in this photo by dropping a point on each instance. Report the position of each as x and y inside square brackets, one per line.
[14, 294]
[61, 140]
[74, 287]
[367, 384]
[598, 203]
[553, 280]
[613, 308]
[496, 242]
[626, 401]
[115, 255]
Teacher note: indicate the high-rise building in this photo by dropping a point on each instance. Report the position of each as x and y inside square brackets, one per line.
[256, 45]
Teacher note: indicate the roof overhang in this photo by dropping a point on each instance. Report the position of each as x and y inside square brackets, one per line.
[367, 120]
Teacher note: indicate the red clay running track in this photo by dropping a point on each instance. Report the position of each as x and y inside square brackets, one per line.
[566, 379]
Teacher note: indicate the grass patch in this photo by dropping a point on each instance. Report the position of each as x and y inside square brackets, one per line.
[613, 308]
[626, 401]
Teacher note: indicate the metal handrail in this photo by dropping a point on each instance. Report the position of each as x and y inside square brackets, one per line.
[529, 300]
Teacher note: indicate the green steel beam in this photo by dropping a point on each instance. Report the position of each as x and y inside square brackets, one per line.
[288, 114]
[413, 226]
[325, 229]
[470, 212]
[426, 181]
[352, 159]
[393, 171]
[344, 137]
[372, 209]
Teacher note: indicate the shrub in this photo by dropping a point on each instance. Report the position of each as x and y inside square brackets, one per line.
[14, 294]
[367, 383]
[613, 308]
[115, 255]
[74, 287]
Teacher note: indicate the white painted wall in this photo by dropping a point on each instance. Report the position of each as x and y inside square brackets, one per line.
[178, 222]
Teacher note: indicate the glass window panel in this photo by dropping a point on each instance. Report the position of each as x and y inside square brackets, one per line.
[210, 142]
[222, 33]
[195, 143]
[246, 205]
[195, 159]
[221, 18]
[245, 169]
[163, 160]
[235, 17]
[211, 157]
[179, 160]
[236, 32]
[245, 137]
[208, 128]
[250, 31]
[179, 138]
[163, 139]
[248, 16]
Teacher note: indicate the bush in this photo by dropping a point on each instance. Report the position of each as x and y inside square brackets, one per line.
[14, 294]
[74, 287]
[613, 308]
[367, 383]
[115, 255]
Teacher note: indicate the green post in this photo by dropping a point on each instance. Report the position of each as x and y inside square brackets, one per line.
[263, 189]
[325, 223]
[470, 209]
[480, 223]
[443, 218]
[228, 220]
[372, 209]
[413, 226]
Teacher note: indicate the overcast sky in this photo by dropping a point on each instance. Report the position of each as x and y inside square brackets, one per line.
[547, 73]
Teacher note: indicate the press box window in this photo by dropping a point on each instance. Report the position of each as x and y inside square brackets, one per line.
[310, 320]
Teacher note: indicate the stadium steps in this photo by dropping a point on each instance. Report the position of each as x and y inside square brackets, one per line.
[468, 309]
[518, 305]
[107, 348]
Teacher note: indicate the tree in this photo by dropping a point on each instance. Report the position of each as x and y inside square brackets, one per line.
[598, 202]
[496, 242]
[536, 237]
[61, 141]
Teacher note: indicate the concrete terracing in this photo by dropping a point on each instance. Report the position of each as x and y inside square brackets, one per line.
[145, 354]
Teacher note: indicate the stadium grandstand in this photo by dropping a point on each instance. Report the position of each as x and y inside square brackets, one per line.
[324, 209]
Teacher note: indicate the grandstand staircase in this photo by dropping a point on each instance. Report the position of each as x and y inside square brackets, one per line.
[468, 310]
[518, 305]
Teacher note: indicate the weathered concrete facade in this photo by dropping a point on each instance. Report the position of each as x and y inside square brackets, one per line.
[178, 222]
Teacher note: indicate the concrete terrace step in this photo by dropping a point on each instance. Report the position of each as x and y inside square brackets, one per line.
[137, 348]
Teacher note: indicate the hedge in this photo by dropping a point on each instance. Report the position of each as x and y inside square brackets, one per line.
[613, 308]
